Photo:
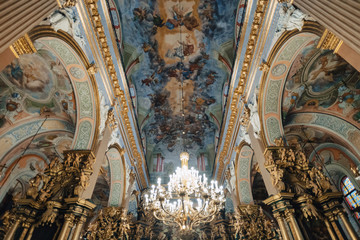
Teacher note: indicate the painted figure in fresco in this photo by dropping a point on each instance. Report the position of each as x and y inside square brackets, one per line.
[139, 14]
[29, 72]
[179, 19]
[150, 80]
[157, 20]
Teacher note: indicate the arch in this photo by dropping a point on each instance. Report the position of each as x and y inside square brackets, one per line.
[23, 167]
[307, 86]
[325, 146]
[118, 183]
[330, 125]
[243, 165]
[84, 84]
[272, 84]
[43, 116]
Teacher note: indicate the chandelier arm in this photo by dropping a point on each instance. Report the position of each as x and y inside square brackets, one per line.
[160, 218]
[209, 215]
[208, 218]
[162, 207]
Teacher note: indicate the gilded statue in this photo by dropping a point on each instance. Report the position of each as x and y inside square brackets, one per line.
[49, 215]
[277, 175]
[33, 190]
[309, 210]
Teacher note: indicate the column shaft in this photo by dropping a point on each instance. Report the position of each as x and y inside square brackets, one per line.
[78, 228]
[336, 229]
[348, 226]
[295, 227]
[23, 234]
[330, 230]
[281, 223]
[11, 232]
[65, 229]
[30, 232]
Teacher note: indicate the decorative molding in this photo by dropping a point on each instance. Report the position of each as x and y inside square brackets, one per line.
[22, 46]
[286, 1]
[309, 27]
[92, 69]
[119, 93]
[329, 41]
[66, 3]
[111, 121]
[239, 90]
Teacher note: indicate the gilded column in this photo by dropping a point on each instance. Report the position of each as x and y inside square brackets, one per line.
[79, 227]
[280, 221]
[333, 220]
[29, 236]
[26, 225]
[281, 206]
[330, 230]
[331, 207]
[68, 223]
[11, 233]
[348, 226]
[289, 213]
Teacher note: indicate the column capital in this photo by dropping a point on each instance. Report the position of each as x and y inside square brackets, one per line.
[329, 41]
[22, 46]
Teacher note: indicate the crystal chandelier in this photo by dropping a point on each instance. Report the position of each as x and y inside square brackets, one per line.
[188, 200]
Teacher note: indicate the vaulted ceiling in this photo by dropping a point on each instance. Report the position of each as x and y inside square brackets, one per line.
[164, 44]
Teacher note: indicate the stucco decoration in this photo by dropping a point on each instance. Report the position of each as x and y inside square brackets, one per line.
[231, 184]
[243, 168]
[290, 18]
[115, 136]
[84, 92]
[66, 19]
[243, 136]
[104, 108]
[329, 125]
[117, 176]
[254, 114]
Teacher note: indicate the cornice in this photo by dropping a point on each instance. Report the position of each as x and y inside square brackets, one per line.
[98, 28]
[256, 26]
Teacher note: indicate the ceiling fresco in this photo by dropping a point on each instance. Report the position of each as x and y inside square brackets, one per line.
[165, 43]
[319, 80]
[32, 87]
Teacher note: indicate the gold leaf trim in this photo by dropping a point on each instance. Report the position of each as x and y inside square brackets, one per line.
[105, 49]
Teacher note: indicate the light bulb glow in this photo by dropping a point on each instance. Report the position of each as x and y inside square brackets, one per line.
[188, 199]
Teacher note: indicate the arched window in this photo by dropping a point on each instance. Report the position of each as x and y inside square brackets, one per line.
[352, 196]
